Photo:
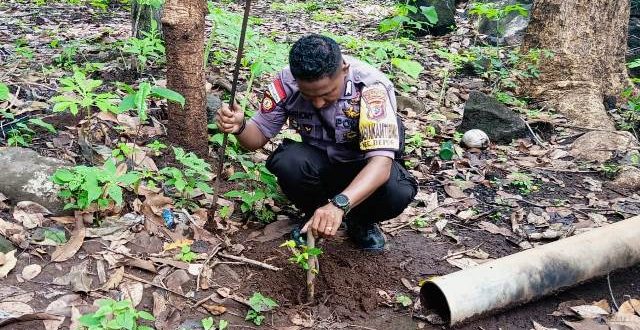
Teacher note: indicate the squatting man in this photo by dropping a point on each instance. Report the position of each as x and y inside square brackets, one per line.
[348, 167]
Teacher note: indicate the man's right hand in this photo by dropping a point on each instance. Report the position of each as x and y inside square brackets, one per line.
[230, 121]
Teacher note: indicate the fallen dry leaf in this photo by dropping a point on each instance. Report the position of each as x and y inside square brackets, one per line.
[61, 307]
[8, 264]
[15, 309]
[67, 251]
[114, 280]
[132, 291]
[215, 309]
[622, 321]
[454, 191]
[630, 307]
[31, 271]
[304, 321]
[589, 311]
[494, 229]
[589, 324]
[462, 263]
[177, 244]
[30, 214]
[538, 326]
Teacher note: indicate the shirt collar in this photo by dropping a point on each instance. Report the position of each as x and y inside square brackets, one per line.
[350, 89]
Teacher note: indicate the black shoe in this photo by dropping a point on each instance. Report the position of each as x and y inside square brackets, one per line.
[368, 237]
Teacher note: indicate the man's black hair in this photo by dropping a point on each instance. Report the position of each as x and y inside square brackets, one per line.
[314, 57]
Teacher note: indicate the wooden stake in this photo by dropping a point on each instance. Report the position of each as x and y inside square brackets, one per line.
[313, 268]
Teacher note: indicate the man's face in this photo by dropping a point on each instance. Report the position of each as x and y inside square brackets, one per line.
[324, 92]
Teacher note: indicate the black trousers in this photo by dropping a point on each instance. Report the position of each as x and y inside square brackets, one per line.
[309, 180]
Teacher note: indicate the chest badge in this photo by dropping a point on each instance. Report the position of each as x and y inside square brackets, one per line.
[352, 112]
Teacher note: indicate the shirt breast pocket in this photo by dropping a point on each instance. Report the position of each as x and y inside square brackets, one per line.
[346, 130]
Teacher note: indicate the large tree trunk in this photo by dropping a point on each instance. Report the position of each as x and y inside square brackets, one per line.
[183, 24]
[589, 42]
[141, 18]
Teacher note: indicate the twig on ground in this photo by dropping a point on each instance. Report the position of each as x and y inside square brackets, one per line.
[613, 299]
[216, 249]
[142, 280]
[535, 136]
[249, 261]
[461, 252]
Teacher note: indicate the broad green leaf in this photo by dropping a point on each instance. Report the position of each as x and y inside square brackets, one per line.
[430, 13]
[128, 103]
[410, 67]
[62, 175]
[168, 94]
[115, 192]
[4, 92]
[146, 315]
[41, 123]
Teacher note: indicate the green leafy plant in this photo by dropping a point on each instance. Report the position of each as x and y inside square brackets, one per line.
[114, 314]
[259, 304]
[82, 186]
[137, 99]
[523, 182]
[402, 22]
[609, 170]
[301, 254]
[122, 151]
[157, 147]
[414, 142]
[420, 222]
[209, 324]
[147, 50]
[78, 92]
[186, 254]
[67, 56]
[403, 300]
[21, 134]
[22, 48]
[260, 185]
[194, 175]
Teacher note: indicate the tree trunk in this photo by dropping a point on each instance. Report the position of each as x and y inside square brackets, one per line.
[589, 42]
[141, 18]
[183, 24]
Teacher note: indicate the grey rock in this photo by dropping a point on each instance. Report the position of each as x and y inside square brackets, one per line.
[6, 245]
[412, 103]
[24, 176]
[600, 146]
[509, 30]
[446, 10]
[494, 118]
[191, 325]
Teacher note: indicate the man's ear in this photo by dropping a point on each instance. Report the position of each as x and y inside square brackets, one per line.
[345, 66]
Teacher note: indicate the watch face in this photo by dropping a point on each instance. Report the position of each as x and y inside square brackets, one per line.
[342, 200]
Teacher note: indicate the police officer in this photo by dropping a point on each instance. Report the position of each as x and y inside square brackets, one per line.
[347, 168]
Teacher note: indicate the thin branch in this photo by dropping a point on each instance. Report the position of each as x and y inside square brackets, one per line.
[250, 261]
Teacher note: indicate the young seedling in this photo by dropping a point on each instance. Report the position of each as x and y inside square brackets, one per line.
[306, 256]
[186, 254]
[259, 304]
[209, 324]
[403, 300]
[114, 314]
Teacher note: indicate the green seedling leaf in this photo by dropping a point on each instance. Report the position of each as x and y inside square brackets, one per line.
[168, 94]
[4, 92]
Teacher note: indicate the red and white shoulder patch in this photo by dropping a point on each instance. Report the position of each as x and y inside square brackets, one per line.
[276, 90]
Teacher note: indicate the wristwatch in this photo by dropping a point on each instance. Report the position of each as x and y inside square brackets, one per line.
[342, 202]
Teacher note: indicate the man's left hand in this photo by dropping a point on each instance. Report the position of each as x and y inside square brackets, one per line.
[325, 221]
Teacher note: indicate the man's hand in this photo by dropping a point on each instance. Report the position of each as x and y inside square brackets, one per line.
[230, 121]
[325, 221]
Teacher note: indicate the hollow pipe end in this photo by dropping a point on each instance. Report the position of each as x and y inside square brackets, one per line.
[434, 300]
